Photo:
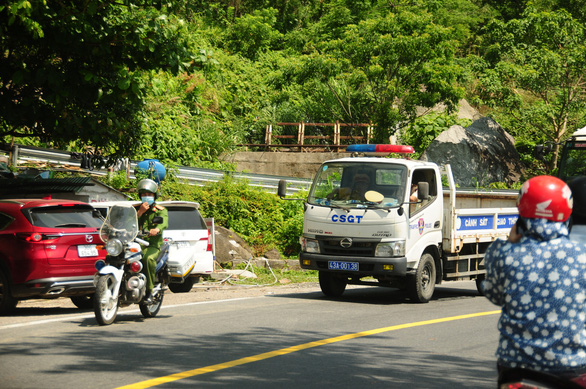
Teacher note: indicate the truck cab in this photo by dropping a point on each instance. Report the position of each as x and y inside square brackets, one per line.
[573, 158]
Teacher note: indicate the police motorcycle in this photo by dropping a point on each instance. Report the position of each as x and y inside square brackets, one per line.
[118, 280]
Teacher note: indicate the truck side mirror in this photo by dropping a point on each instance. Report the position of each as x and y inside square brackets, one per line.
[282, 189]
[422, 190]
[539, 152]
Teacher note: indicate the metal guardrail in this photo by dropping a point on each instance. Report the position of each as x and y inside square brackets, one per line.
[193, 176]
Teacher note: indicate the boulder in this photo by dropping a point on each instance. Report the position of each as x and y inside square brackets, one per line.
[230, 246]
[479, 154]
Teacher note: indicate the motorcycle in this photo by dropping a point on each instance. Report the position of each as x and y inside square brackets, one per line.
[531, 379]
[118, 280]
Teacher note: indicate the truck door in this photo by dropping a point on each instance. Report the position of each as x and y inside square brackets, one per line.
[418, 206]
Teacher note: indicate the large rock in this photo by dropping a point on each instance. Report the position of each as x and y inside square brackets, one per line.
[480, 154]
[230, 246]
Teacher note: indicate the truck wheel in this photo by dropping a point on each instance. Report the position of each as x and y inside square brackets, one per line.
[479, 281]
[183, 287]
[7, 302]
[422, 285]
[332, 285]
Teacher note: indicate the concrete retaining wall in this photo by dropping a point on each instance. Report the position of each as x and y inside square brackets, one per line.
[300, 165]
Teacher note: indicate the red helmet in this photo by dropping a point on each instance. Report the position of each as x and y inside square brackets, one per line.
[545, 197]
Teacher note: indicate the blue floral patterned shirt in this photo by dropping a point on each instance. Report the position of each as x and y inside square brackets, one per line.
[540, 283]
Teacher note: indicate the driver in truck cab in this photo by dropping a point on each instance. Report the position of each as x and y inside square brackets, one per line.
[360, 185]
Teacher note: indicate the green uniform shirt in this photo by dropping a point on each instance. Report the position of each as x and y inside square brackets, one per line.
[145, 222]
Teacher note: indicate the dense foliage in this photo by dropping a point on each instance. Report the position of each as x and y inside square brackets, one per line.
[262, 219]
[186, 81]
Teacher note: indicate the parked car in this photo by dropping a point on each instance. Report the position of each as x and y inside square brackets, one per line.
[47, 250]
[191, 243]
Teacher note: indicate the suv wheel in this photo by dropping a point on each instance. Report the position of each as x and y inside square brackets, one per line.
[184, 287]
[83, 302]
[7, 302]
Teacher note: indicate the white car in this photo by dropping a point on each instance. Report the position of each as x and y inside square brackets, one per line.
[191, 254]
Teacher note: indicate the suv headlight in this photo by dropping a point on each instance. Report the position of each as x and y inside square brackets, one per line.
[114, 247]
[309, 245]
[390, 249]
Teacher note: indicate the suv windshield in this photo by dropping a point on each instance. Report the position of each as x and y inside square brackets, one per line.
[63, 217]
[185, 218]
[359, 185]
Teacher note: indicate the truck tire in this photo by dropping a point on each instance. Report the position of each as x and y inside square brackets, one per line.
[332, 285]
[183, 287]
[7, 302]
[422, 284]
[479, 281]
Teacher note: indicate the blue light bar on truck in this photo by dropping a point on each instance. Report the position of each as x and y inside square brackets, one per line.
[373, 148]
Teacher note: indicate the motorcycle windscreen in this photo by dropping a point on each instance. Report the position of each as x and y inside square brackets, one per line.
[121, 223]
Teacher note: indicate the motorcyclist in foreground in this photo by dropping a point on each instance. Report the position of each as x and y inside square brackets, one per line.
[538, 277]
[152, 218]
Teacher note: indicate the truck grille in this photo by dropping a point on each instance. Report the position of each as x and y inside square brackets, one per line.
[358, 249]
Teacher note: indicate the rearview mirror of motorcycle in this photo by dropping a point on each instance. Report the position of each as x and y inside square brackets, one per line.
[157, 220]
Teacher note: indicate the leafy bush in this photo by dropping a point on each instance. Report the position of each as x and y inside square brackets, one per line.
[262, 219]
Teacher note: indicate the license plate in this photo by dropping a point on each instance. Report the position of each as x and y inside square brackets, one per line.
[182, 243]
[339, 265]
[87, 250]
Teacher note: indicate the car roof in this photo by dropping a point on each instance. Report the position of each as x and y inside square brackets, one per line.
[178, 203]
[166, 204]
[34, 203]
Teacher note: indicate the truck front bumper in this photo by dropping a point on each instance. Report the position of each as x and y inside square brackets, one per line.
[367, 266]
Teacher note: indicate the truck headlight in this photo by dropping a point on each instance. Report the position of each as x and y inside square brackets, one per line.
[309, 245]
[390, 249]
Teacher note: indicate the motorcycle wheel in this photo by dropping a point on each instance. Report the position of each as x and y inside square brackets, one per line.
[105, 304]
[151, 310]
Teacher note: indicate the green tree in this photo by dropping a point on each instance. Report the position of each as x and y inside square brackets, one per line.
[73, 70]
[533, 71]
[382, 69]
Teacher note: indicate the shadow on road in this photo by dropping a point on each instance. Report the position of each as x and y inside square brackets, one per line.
[384, 295]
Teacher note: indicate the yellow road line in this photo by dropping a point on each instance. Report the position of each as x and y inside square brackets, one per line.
[289, 350]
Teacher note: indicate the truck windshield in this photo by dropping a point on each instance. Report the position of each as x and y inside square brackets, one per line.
[359, 185]
[573, 161]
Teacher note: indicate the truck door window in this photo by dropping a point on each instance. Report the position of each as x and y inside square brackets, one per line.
[422, 175]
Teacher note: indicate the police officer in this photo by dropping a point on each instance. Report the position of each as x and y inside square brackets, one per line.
[154, 219]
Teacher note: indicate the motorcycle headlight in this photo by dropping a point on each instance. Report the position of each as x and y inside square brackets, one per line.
[114, 247]
[309, 245]
[390, 249]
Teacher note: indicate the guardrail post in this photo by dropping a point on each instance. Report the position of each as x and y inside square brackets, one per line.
[14, 155]
[301, 135]
[268, 136]
[337, 135]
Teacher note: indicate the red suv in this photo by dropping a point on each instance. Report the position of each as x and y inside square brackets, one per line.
[47, 250]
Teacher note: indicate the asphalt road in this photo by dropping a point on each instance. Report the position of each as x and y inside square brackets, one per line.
[280, 337]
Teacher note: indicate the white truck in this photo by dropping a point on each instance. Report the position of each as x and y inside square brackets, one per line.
[386, 237]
